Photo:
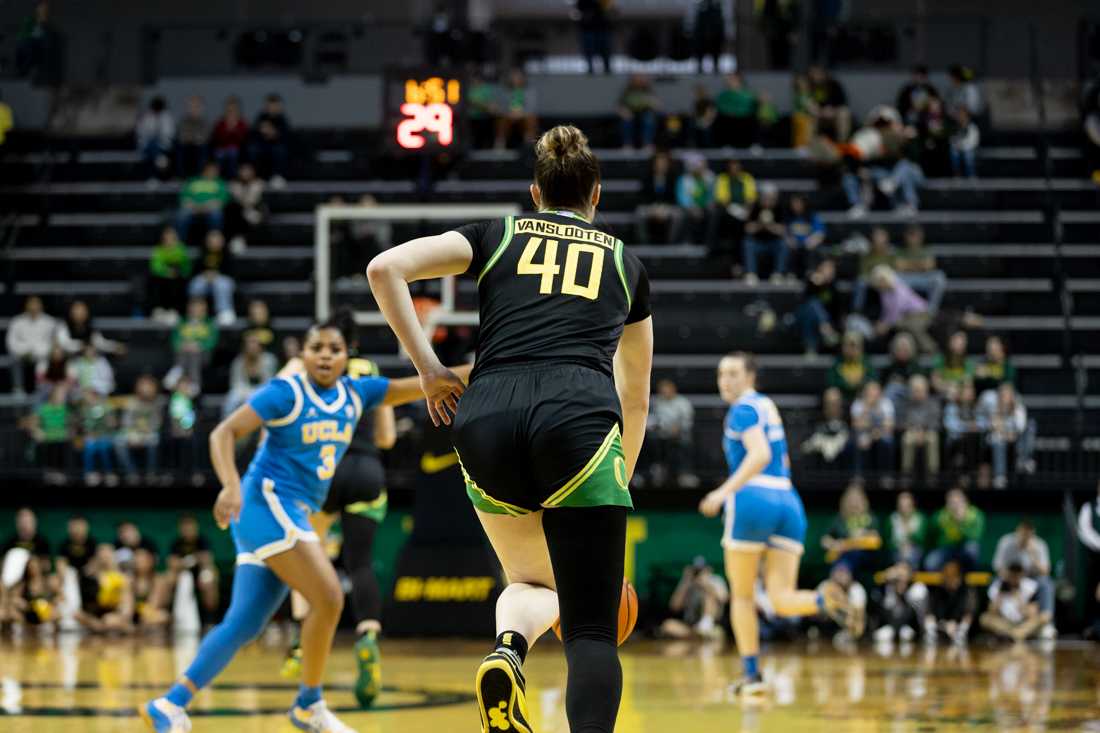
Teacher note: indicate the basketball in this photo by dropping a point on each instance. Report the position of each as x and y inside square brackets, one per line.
[628, 613]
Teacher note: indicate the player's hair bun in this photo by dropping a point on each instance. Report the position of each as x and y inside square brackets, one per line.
[566, 171]
[562, 142]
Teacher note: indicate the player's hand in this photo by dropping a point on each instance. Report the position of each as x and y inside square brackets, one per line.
[712, 503]
[442, 388]
[228, 506]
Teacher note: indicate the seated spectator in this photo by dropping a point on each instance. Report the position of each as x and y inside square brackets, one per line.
[902, 605]
[91, 372]
[194, 134]
[879, 154]
[953, 606]
[820, 310]
[638, 105]
[97, 436]
[804, 112]
[734, 196]
[259, 325]
[908, 531]
[51, 429]
[766, 233]
[962, 430]
[32, 599]
[228, 138]
[204, 196]
[880, 252]
[270, 145]
[901, 368]
[698, 602]
[169, 270]
[964, 92]
[914, 96]
[128, 540]
[252, 368]
[26, 537]
[852, 369]
[246, 209]
[142, 418]
[670, 429]
[1026, 550]
[694, 195]
[853, 537]
[736, 105]
[156, 137]
[78, 547]
[916, 267]
[958, 528]
[152, 604]
[921, 431]
[873, 425]
[828, 446]
[953, 368]
[482, 108]
[703, 116]
[54, 372]
[834, 119]
[995, 368]
[518, 111]
[806, 231]
[1014, 611]
[29, 339]
[709, 33]
[182, 450]
[190, 552]
[32, 551]
[77, 331]
[767, 120]
[1003, 418]
[902, 309]
[193, 341]
[856, 621]
[106, 594]
[215, 264]
[658, 212]
[38, 47]
[965, 140]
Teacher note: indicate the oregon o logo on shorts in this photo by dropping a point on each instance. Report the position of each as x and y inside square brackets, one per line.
[620, 472]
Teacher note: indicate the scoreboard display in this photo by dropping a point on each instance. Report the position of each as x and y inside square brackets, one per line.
[424, 110]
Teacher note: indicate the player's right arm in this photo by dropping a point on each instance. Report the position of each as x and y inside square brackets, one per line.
[633, 363]
[244, 421]
[390, 273]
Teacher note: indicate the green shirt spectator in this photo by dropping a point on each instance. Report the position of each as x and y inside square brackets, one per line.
[203, 333]
[53, 422]
[736, 101]
[881, 253]
[482, 99]
[908, 531]
[850, 374]
[204, 193]
[954, 529]
[170, 259]
[995, 368]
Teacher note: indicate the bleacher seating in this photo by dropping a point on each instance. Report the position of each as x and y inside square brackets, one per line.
[87, 230]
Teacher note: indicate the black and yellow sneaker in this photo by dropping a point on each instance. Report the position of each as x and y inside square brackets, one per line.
[369, 659]
[292, 665]
[501, 694]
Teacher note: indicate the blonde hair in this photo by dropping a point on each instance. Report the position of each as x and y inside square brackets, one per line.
[566, 171]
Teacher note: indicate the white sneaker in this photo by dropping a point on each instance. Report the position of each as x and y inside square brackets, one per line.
[227, 318]
[888, 186]
[317, 718]
[237, 245]
[1048, 633]
[278, 183]
[751, 278]
[906, 211]
[884, 635]
[163, 716]
[857, 212]
[906, 633]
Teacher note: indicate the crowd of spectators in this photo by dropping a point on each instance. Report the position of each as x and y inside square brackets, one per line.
[121, 586]
[79, 421]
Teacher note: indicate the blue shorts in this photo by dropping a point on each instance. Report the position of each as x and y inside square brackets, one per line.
[269, 523]
[758, 517]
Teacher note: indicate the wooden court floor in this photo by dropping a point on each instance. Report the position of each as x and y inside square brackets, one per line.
[92, 686]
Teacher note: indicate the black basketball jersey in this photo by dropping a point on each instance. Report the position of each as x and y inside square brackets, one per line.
[552, 288]
[362, 442]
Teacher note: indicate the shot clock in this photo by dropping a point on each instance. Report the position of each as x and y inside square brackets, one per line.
[424, 110]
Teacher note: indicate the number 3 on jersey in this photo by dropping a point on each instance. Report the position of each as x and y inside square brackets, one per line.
[327, 469]
[548, 269]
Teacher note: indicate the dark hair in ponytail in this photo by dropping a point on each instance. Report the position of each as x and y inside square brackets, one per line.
[566, 171]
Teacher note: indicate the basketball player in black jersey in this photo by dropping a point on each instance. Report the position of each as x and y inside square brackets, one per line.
[357, 497]
[550, 428]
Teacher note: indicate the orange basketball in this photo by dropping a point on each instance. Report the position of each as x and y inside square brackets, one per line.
[628, 613]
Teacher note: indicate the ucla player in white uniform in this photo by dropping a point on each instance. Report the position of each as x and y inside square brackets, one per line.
[310, 419]
[764, 517]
